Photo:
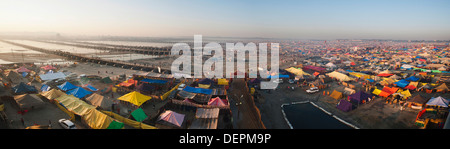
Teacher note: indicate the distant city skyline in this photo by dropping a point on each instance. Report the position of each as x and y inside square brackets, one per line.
[290, 19]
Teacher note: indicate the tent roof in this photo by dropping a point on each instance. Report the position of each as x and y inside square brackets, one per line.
[154, 81]
[99, 101]
[336, 95]
[443, 86]
[217, 102]
[139, 115]
[359, 97]
[438, 101]
[52, 94]
[197, 90]
[344, 105]
[51, 76]
[135, 98]
[79, 92]
[23, 88]
[172, 117]
[48, 67]
[339, 76]
[67, 86]
[418, 99]
[27, 101]
[74, 104]
[22, 69]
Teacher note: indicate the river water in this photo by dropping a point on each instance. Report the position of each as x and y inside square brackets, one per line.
[307, 116]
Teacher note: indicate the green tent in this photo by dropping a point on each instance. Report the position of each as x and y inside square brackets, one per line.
[139, 115]
[107, 80]
[115, 125]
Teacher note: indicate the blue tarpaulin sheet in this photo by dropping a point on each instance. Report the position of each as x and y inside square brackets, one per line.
[197, 90]
[79, 92]
[412, 78]
[402, 83]
[278, 76]
[67, 86]
[91, 88]
[155, 81]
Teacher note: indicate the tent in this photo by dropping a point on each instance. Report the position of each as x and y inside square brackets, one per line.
[376, 92]
[24, 88]
[222, 81]
[438, 101]
[344, 105]
[45, 88]
[107, 80]
[330, 65]
[139, 115]
[154, 81]
[417, 100]
[278, 76]
[339, 76]
[79, 92]
[205, 119]
[28, 101]
[48, 67]
[22, 69]
[442, 87]
[52, 94]
[100, 101]
[205, 81]
[402, 83]
[135, 98]
[406, 94]
[145, 87]
[66, 86]
[74, 104]
[217, 102]
[197, 90]
[359, 97]
[412, 78]
[52, 76]
[297, 71]
[186, 95]
[90, 87]
[336, 95]
[172, 118]
[385, 74]
[15, 78]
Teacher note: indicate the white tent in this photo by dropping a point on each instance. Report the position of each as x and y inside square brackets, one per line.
[52, 76]
[438, 101]
[330, 64]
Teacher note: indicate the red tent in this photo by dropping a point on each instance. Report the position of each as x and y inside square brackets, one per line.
[385, 74]
[352, 63]
[422, 60]
[22, 69]
[48, 67]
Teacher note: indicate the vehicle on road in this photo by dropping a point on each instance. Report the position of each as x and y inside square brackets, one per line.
[312, 90]
[67, 124]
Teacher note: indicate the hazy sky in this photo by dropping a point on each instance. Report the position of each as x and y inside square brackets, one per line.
[314, 19]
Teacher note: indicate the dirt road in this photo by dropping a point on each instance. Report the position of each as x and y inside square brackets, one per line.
[245, 114]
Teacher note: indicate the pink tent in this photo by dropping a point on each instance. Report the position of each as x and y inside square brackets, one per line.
[48, 67]
[216, 102]
[22, 69]
[172, 117]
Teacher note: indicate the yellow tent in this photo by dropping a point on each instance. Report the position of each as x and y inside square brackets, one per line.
[339, 76]
[135, 98]
[52, 94]
[74, 104]
[298, 72]
[222, 82]
[406, 94]
[205, 86]
[376, 92]
[96, 119]
[336, 95]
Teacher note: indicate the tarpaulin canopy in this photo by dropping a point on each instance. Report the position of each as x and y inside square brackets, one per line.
[197, 90]
[45, 88]
[402, 83]
[52, 94]
[27, 101]
[418, 99]
[339, 76]
[145, 87]
[24, 88]
[22, 69]
[172, 117]
[154, 81]
[376, 92]
[344, 105]
[406, 93]
[79, 92]
[385, 74]
[100, 101]
[52, 76]
[217, 102]
[97, 120]
[438, 101]
[222, 81]
[139, 115]
[74, 104]
[359, 97]
[90, 87]
[67, 86]
[128, 83]
[15, 78]
[314, 68]
[442, 87]
[128, 122]
[205, 81]
[336, 95]
[278, 76]
[107, 80]
[135, 98]
[48, 67]
[296, 71]
[412, 78]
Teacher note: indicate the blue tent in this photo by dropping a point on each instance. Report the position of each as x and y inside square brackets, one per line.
[278, 76]
[197, 90]
[402, 83]
[66, 86]
[154, 81]
[370, 80]
[79, 92]
[412, 78]
[91, 88]
[45, 88]
[366, 59]
[23, 88]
